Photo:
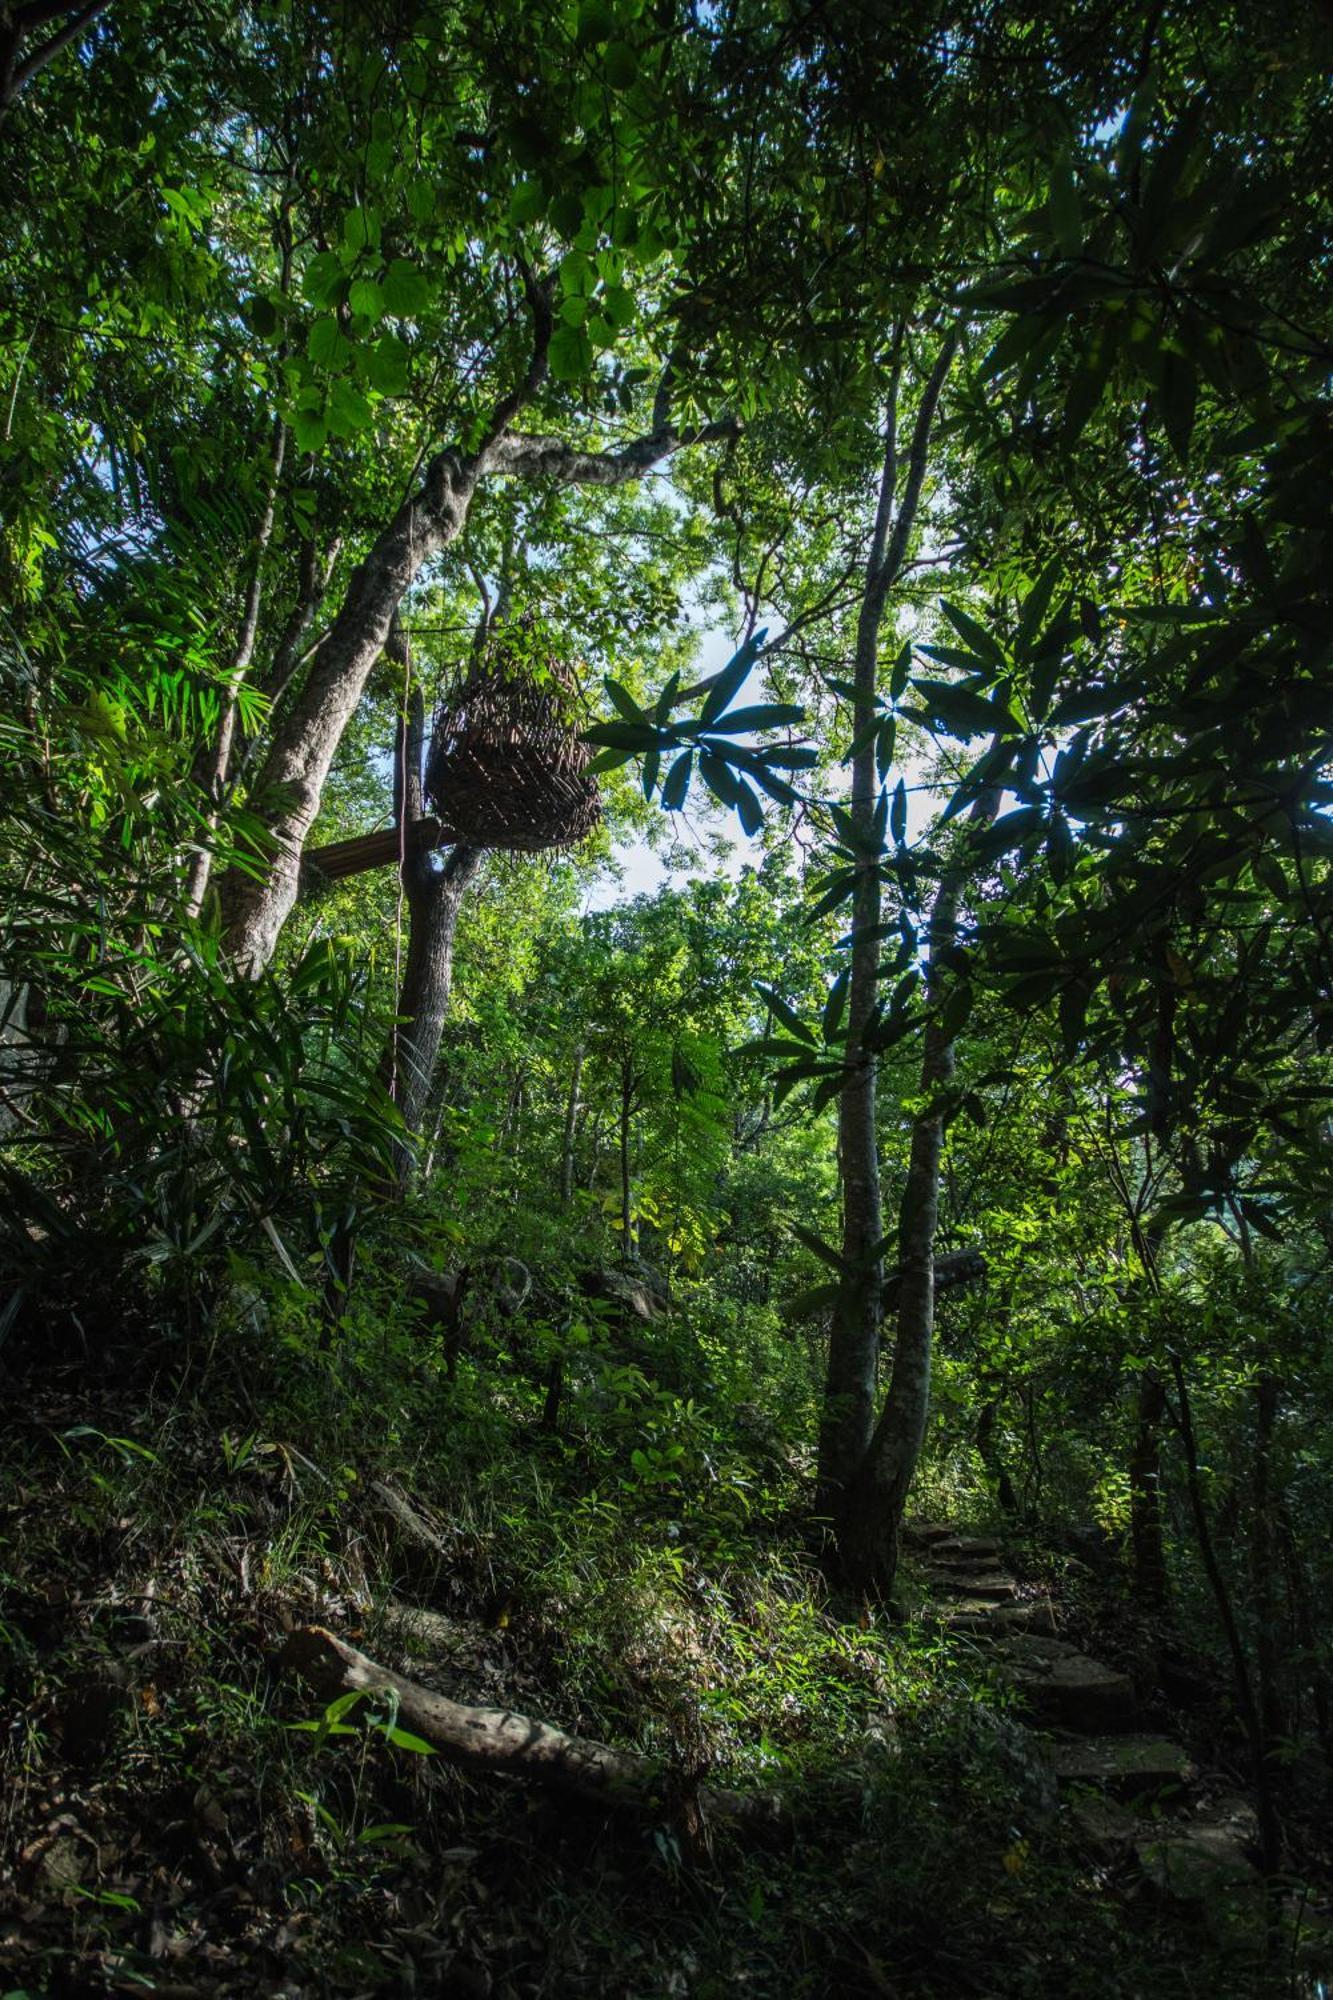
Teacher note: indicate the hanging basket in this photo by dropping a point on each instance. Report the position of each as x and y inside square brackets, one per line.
[506, 767]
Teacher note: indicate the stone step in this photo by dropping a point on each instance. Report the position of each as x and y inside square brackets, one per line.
[998, 1589]
[1058, 1684]
[983, 1621]
[1128, 1767]
[977, 1548]
[921, 1534]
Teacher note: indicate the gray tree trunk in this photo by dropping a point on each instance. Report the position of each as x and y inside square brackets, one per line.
[871, 1516]
[572, 1109]
[434, 893]
[848, 1408]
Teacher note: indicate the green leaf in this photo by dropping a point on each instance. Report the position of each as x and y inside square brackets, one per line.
[326, 344]
[1009, 831]
[748, 809]
[406, 291]
[403, 1739]
[884, 746]
[813, 1300]
[566, 217]
[596, 23]
[1062, 207]
[963, 713]
[788, 1016]
[898, 813]
[835, 1005]
[528, 202]
[978, 638]
[366, 298]
[310, 429]
[624, 736]
[1035, 606]
[766, 715]
[618, 305]
[1176, 400]
[678, 782]
[387, 364]
[571, 355]
[719, 778]
[772, 1045]
[955, 1012]
[323, 277]
[624, 701]
[361, 230]
[622, 66]
[349, 411]
[728, 683]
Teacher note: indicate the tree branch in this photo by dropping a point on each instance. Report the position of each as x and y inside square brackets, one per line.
[551, 458]
[916, 467]
[28, 68]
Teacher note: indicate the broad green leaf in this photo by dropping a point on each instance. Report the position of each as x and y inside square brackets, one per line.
[979, 640]
[571, 354]
[326, 344]
[767, 715]
[678, 782]
[788, 1016]
[406, 291]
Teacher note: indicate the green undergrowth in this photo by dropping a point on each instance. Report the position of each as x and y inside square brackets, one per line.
[179, 1816]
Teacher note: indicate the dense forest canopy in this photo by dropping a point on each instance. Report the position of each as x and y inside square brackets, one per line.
[875, 457]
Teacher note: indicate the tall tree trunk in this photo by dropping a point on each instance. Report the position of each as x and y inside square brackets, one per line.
[626, 1201]
[434, 894]
[871, 1514]
[848, 1408]
[1147, 1537]
[434, 901]
[571, 1130]
[872, 1508]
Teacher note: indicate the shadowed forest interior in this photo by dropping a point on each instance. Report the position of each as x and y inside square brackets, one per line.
[666, 999]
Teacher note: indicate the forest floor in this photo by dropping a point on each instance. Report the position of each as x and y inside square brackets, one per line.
[181, 1818]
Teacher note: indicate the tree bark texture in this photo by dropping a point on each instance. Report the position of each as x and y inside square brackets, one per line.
[433, 901]
[434, 895]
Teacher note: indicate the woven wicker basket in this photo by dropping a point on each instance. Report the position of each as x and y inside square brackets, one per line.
[506, 769]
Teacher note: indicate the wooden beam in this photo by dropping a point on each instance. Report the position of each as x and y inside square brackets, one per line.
[373, 850]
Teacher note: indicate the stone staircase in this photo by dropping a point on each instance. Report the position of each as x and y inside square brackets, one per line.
[1131, 1795]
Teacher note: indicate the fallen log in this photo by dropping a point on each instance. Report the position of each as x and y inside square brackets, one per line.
[498, 1741]
[416, 1528]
